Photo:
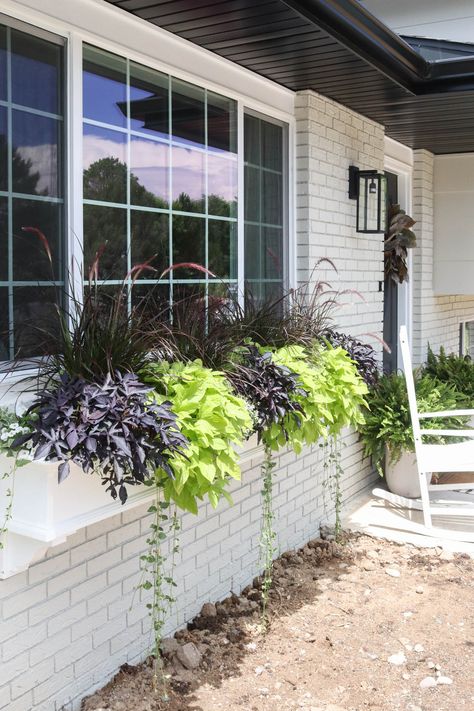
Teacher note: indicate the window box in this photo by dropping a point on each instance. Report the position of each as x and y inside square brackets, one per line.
[44, 512]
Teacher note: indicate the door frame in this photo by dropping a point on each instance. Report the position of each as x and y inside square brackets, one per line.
[398, 159]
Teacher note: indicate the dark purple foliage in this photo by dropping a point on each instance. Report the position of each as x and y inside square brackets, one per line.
[361, 353]
[109, 427]
[268, 387]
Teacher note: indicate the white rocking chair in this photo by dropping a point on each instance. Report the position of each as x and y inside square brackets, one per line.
[437, 499]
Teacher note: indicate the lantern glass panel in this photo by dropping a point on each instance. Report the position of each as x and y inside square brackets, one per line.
[362, 206]
[372, 188]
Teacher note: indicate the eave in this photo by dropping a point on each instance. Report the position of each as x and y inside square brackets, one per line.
[336, 48]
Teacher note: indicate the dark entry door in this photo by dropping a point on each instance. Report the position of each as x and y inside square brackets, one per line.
[390, 298]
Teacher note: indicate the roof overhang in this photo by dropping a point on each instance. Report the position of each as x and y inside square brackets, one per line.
[339, 49]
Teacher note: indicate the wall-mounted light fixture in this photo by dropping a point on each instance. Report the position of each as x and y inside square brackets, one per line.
[369, 188]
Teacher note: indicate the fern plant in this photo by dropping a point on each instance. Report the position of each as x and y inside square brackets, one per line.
[456, 371]
[387, 418]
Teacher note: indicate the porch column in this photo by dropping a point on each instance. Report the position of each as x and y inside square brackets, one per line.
[424, 304]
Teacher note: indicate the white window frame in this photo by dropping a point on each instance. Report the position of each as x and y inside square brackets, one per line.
[151, 46]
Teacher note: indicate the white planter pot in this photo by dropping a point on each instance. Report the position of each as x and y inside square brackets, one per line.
[45, 512]
[402, 476]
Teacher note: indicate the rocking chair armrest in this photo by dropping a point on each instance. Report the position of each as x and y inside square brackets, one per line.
[446, 413]
[448, 433]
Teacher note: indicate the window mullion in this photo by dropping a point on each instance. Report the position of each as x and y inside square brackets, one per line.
[11, 342]
[75, 232]
[240, 206]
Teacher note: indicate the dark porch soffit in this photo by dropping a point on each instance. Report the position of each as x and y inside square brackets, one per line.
[338, 49]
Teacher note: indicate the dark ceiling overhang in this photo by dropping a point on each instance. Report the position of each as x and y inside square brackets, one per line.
[338, 49]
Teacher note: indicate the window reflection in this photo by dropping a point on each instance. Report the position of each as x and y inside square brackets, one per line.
[150, 239]
[3, 239]
[222, 248]
[36, 67]
[4, 327]
[104, 87]
[222, 185]
[36, 141]
[106, 226]
[30, 260]
[33, 166]
[149, 101]
[3, 149]
[36, 318]
[185, 162]
[221, 123]
[3, 66]
[189, 179]
[188, 244]
[149, 173]
[188, 119]
[105, 168]
[264, 208]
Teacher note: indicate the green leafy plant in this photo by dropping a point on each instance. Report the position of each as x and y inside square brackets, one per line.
[11, 427]
[333, 470]
[456, 371]
[387, 420]
[267, 532]
[212, 419]
[164, 527]
[335, 394]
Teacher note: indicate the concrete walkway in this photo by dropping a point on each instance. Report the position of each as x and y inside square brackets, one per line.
[372, 515]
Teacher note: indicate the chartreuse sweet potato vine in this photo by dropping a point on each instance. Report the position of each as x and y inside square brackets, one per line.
[323, 393]
[214, 421]
[334, 395]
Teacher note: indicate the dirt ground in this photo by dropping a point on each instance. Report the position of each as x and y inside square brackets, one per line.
[353, 627]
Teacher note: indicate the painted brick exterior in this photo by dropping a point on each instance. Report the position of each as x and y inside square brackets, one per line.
[436, 319]
[329, 139]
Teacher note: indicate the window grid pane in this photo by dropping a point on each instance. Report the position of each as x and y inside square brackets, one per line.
[155, 165]
[264, 211]
[31, 190]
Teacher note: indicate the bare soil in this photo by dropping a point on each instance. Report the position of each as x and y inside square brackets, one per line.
[353, 626]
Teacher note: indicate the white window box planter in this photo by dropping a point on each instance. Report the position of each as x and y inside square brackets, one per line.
[44, 512]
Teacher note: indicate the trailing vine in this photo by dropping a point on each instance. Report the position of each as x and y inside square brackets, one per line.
[164, 527]
[10, 428]
[9, 503]
[267, 533]
[334, 471]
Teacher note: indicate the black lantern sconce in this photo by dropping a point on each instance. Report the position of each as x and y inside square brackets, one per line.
[369, 188]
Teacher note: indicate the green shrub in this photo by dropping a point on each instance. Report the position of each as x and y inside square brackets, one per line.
[213, 420]
[387, 419]
[457, 371]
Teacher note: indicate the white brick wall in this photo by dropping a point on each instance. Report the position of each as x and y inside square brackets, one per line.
[436, 319]
[329, 139]
[73, 619]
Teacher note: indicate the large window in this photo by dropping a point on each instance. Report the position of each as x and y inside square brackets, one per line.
[160, 176]
[31, 189]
